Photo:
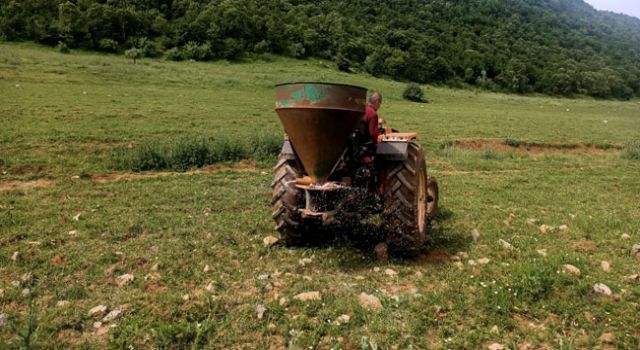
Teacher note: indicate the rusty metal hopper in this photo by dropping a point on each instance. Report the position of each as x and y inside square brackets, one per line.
[319, 117]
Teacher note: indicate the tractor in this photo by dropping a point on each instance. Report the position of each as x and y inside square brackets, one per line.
[323, 178]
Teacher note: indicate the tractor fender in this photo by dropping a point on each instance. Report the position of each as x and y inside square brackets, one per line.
[287, 150]
[392, 150]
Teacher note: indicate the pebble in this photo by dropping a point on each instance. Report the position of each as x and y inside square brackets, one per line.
[26, 277]
[531, 222]
[269, 241]
[568, 268]
[15, 256]
[307, 296]
[602, 288]
[606, 267]
[1, 293]
[284, 301]
[634, 277]
[475, 235]
[542, 252]
[484, 261]
[376, 269]
[635, 250]
[462, 255]
[390, 272]
[97, 310]
[344, 318]
[125, 279]
[471, 263]
[260, 309]
[459, 265]
[608, 338]
[3, 319]
[546, 228]
[563, 228]
[155, 267]
[207, 268]
[505, 245]
[97, 325]
[77, 217]
[369, 301]
[114, 314]
[25, 292]
[62, 303]
[625, 236]
[305, 261]
[186, 297]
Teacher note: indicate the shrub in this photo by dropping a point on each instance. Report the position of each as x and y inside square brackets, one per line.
[175, 54]
[133, 54]
[108, 45]
[261, 47]
[296, 50]
[226, 150]
[631, 150]
[62, 47]
[343, 63]
[197, 52]
[189, 152]
[264, 146]
[413, 92]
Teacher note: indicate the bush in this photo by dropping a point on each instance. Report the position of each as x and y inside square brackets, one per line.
[265, 147]
[413, 92]
[133, 54]
[175, 54]
[296, 50]
[197, 52]
[108, 45]
[631, 150]
[343, 63]
[62, 47]
[189, 152]
[261, 47]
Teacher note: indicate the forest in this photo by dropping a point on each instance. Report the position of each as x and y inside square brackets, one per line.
[554, 47]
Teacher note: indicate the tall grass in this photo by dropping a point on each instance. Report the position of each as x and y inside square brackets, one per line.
[631, 150]
[195, 151]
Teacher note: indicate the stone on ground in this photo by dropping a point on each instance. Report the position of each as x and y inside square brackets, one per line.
[125, 279]
[475, 235]
[368, 301]
[114, 314]
[602, 289]
[505, 245]
[307, 296]
[606, 267]
[568, 268]
[97, 310]
[269, 241]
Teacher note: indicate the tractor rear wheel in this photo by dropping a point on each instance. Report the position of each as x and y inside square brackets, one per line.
[286, 200]
[406, 208]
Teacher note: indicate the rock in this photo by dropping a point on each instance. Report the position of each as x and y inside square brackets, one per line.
[26, 277]
[305, 261]
[390, 272]
[114, 314]
[496, 346]
[542, 252]
[635, 250]
[382, 251]
[307, 296]
[602, 288]
[634, 277]
[125, 279]
[459, 265]
[462, 255]
[155, 267]
[344, 319]
[98, 310]
[625, 236]
[376, 269]
[263, 276]
[207, 268]
[15, 256]
[186, 297]
[563, 228]
[269, 241]
[77, 217]
[606, 267]
[471, 263]
[97, 325]
[475, 235]
[546, 228]
[568, 268]
[284, 301]
[483, 261]
[368, 301]
[73, 233]
[3, 319]
[62, 303]
[531, 222]
[572, 216]
[25, 292]
[260, 309]
[607, 338]
[209, 288]
[494, 330]
[504, 244]
[1, 293]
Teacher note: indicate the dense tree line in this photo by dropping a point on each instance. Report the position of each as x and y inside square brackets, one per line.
[560, 47]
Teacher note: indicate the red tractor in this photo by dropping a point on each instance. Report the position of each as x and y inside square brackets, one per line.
[323, 178]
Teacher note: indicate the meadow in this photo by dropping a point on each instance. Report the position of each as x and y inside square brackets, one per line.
[94, 255]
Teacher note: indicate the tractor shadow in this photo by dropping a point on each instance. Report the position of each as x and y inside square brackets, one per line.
[355, 246]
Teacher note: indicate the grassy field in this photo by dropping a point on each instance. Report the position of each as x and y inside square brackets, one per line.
[74, 229]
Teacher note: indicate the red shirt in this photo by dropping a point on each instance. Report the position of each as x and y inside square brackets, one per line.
[371, 118]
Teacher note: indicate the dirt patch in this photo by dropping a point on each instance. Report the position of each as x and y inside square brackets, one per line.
[534, 148]
[585, 245]
[25, 185]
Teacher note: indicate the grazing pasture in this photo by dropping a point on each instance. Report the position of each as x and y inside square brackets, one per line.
[540, 207]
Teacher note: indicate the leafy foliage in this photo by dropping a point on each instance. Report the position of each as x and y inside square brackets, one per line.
[413, 92]
[561, 48]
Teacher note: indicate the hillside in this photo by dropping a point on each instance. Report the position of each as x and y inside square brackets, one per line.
[558, 47]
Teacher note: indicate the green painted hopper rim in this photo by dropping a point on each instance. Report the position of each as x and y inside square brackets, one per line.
[320, 83]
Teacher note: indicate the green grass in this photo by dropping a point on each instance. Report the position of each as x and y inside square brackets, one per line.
[164, 227]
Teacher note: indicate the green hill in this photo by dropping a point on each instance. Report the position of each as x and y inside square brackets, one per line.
[559, 47]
